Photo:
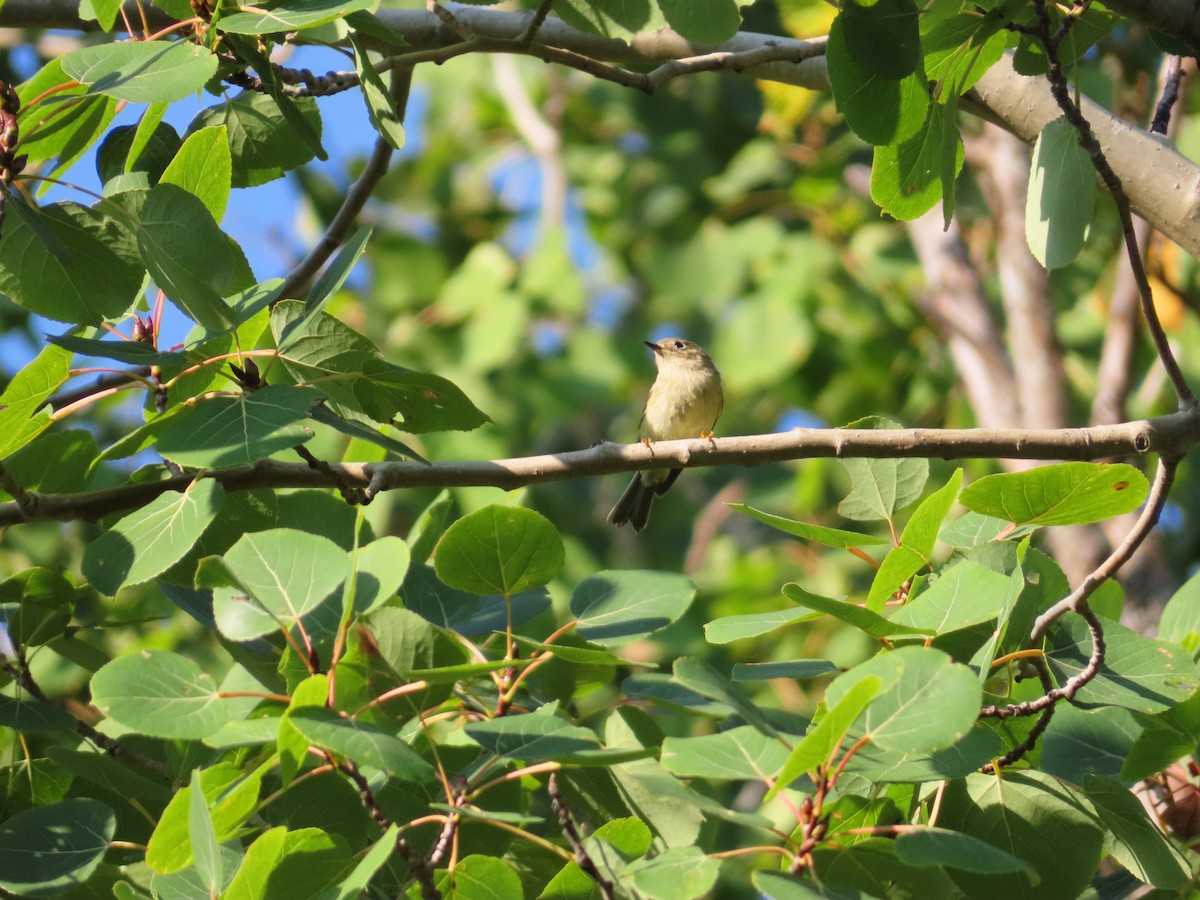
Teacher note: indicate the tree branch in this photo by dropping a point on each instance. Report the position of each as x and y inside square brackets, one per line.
[1170, 435]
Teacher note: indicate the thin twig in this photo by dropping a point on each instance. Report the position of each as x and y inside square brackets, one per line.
[26, 501]
[535, 23]
[1087, 139]
[582, 859]
[356, 198]
[1170, 93]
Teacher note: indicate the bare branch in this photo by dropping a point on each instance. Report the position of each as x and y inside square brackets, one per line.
[1169, 435]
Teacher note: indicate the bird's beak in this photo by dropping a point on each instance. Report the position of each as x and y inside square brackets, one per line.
[657, 349]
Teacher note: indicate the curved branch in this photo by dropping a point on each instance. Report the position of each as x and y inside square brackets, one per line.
[1168, 436]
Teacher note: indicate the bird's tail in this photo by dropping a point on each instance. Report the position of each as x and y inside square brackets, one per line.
[634, 505]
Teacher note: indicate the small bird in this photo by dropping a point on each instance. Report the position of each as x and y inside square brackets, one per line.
[685, 401]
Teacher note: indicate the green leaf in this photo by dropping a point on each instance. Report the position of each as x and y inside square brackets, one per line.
[499, 550]
[33, 715]
[327, 285]
[287, 573]
[479, 877]
[883, 35]
[291, 16]
[28, 391]
[697, 675]
[1033, 817]
[48, 131]
[826, 737]
[150, 129]
[355, 884]
[290, 865]
[909, 177]
[1180, 620]
[1139, 673]
[231, 797]
[203, 837]
[618, 607]
[727, 629]
[187, 255]
[966, 594]
[831, 537]
[227, 431]
[540, 735]
[149, 541]
[380, 568]
[679, 873]
[52, 849]
[133, 352]
[974, 529]
[703, 21]
[621, 19]
[879, 766]
[262, 144]
[958, 50]
[204, 167]
[739, 753]
[1083, 742]
[142, 71]
[878, 108]
[860, 617]
[160, 694]
[880, 487]
[88, 274]
[380, 105]
[366, 745]
[1075, 493]
[928, 701]
[795, 669]
[938, 848]
[1062, 196]
[922, 529]
[782, 886]
[1137, 844]
[897, 567]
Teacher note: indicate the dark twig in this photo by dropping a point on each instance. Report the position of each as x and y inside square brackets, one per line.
[567, 823]
[26, 501]
[1162, 114]
[535, 23]
[356, 198]
[354, 495]
[1087, 139]
[298, 82]
[1031, 739]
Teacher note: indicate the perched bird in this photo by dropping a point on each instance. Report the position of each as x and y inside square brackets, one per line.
[685, 402]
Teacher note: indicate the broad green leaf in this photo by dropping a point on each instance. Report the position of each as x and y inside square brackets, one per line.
[1138, 844]
[831, 537]
[291, 16]
[133, 352]
[697, 675]
[160, 694]
[142, 72]
[586, 656]
[288, 574]
[429, 527]
[203, 838]
[883, 35]
[366, 745]
[149, 541]
[156, 147]
[860, 617]
[330, 282]
[89, 273]
[965, 594]
[880, 766]
[973, 529]
[826, 737]
[290, 865]
[242, 429]
[355, 376]
[262, 144]
[380, 568]
[922, 529]
[29, 715]
[879, 109]
[355, 884]
[52, 849]
[909, 177]
[479, 877]
[537, 736]
[148, 130]
[380, 105]
[618, 19]
[188, 256]
[48, 130]
[1139, 673]
[661, 690]
[703, 21]
[468, 614]
[928, 701]
[1080, 742]
[231, 797]
[30, 388]
[1074, 493]
[739, 753]
[939, 847]
[680, 873]
[727, 629]
[203, 167]
[775, 885]
[1033, 817]
[618, 607]
[1180, 620]
[499, 550]
[880, 487]
[958, 49]
[1061, 198]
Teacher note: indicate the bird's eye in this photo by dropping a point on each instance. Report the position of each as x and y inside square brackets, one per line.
[679, 345]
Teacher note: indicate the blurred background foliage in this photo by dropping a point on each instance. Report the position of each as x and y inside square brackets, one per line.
[719, 209]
